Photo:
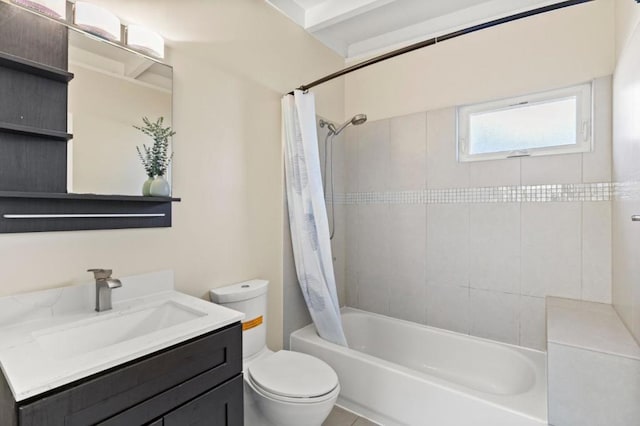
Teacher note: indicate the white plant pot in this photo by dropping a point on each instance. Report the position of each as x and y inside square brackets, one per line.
[160, 187]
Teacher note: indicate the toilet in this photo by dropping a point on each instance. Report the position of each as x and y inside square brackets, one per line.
[282, 388]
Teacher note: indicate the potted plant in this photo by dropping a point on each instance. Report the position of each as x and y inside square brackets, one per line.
[156, 159]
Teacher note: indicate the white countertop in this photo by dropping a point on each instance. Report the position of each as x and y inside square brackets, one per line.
[589, 325]
[31, 367]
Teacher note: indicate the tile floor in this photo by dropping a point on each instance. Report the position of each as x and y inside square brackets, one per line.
[340, 417]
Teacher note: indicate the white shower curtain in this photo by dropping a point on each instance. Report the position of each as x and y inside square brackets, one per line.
[308, 215]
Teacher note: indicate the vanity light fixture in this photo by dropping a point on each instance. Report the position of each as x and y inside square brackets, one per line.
[146, 41]
[97, 20]
[53, 8]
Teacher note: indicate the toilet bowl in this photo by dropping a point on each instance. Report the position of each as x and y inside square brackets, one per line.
[282, 388]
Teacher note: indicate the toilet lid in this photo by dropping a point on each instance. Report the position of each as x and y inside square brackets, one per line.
[294, 375]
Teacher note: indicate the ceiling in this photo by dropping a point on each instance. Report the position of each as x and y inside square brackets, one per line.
[359, 28]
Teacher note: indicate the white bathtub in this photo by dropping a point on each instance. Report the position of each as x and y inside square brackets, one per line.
[401, 373]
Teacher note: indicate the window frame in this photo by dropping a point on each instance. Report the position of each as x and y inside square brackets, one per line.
[584, 123]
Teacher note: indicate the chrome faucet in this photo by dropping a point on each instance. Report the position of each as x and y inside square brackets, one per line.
[104, 285]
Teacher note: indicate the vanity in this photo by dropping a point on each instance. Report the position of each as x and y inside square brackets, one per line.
[159, 357]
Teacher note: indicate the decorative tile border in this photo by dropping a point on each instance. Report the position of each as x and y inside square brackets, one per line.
[626, 190]
[498, 194]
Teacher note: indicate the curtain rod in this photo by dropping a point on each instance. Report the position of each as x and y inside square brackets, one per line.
[439, 39]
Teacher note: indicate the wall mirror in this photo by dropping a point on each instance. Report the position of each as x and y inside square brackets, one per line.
[113, 88]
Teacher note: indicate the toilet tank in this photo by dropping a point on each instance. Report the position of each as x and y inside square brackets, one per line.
[250, 298]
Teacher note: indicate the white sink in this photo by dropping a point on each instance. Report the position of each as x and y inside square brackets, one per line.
[53, 337]
[112, 328]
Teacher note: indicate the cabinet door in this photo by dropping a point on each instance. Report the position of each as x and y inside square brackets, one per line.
[222, 406]
[141, 387]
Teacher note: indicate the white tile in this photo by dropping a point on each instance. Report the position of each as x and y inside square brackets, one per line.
[591, 389]
[339, 253]
[443, 168]
[352, 255]
[351, 290]
[351, 163]
[408, 298]
[373, 291]
[625, 267]
[505, 172]
[494, 260]
[566, 168]
[448, 308]
[596, 165]
[533, 330]
[589, 325]
[635, 313]
[407, 261]
[373, 156]
[494, 315]
[407, 239]
[596, 251]
[373, 251]
[551, 249]
[373, 235]
[339, 163]
[448, 244]
[408, 152]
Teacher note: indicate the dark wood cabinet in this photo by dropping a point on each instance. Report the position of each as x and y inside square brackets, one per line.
[197, 382]
[33, 102]
[220, 406]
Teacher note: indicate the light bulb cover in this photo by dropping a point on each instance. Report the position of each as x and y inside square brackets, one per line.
[145, 40]
[97, 20]
[52, 8]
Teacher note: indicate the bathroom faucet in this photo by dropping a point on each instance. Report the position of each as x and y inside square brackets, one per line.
[104, 285]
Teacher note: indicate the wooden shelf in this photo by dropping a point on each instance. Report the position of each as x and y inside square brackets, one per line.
[51, 211]
[96, 197]
[54, 135]
[35, 68]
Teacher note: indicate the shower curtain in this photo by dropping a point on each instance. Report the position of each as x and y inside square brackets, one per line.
[308, 215]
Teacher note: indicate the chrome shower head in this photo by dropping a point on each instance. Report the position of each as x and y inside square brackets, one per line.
[356, 120]
[359, 119]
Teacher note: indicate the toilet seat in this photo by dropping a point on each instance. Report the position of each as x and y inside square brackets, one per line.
[293, 377]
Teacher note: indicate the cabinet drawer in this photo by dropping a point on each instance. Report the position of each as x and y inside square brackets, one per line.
[99, 397]
[222, 406]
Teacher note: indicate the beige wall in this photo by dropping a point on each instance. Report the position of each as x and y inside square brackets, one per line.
[233, 60]
[626, 19]
[626, 171]
[556, 49]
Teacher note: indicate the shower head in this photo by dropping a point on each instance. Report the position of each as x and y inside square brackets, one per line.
[359, 119]
[356, 120]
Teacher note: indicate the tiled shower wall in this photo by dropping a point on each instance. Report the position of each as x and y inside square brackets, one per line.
[626, 170]
[417, 239]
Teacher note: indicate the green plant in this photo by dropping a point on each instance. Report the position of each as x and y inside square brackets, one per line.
[156, 159]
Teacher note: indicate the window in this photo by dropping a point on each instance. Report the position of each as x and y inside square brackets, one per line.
[554, 122]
